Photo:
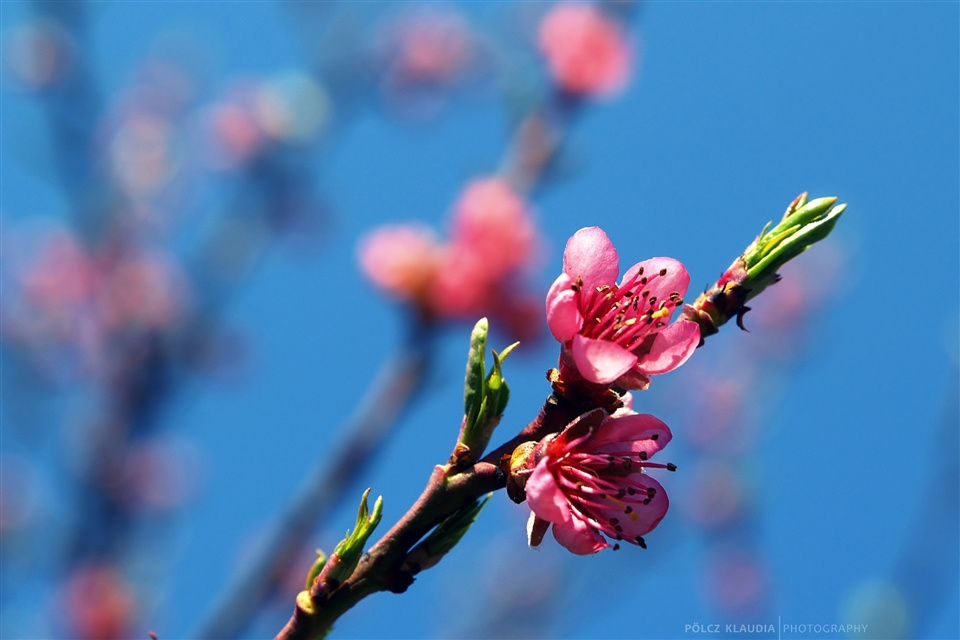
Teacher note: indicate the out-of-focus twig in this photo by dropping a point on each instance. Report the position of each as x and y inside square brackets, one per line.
[388, 397]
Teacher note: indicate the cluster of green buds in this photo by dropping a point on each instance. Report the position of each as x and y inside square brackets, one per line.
[485, 397]
[327, 574]
[804, 223]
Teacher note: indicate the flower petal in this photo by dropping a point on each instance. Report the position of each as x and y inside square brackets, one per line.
[563, 314]
[579, 537]
[636, 432]
[675, 279]
[600, 361]
[642, 518]
[591, 255]
[544, 495]
[671, 348]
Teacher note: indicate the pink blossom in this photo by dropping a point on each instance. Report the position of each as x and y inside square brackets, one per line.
[428, 48]
[586, 51]
[400, 259]
[493, 223]
[477, 271]
[618, 333]
[589, 480]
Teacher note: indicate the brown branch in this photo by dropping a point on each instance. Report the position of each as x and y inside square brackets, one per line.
[384, 568]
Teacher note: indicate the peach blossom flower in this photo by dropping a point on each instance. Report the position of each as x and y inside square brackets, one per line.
[586, 51]
[619, 333]
[400, 259]
[589, 480]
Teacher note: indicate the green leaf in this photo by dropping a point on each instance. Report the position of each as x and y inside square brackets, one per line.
[473, 385]
[346, 555]
[447, 534]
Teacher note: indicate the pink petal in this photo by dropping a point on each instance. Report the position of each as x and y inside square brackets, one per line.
[563, 314]
[544, 495]
[631, 433]
[676, 279]
[601, 361]
[591, 255]
[579, 537]
[670, 348]
[644, 517]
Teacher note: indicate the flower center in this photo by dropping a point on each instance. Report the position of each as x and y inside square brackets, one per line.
[596, 484]
[625, 314]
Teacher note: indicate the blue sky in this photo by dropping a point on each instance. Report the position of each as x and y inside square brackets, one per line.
[734, 109]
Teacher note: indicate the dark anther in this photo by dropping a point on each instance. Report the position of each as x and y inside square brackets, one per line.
[614, 522]
[631, 491]
[655, 436]
[643, 280]
[651, 492]
[643, 455]
[628, 510]
[641, 542]
[616, 547]
[663, 272]
[621, 493]
[619, 537]
[671, 466]
[645, 293]
[653, 300]
[640, 271]
[646, 501]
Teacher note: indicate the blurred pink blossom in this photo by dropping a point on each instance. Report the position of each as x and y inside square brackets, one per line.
[236, 133]
[618, 333]
[491, 221]
[143, 289]
[98, 603]
[717, 497]
[586, 51]
[400, 259]
[40, 53]
[64, 299]
[428, 48]
[476, 272]
[737, 581]
[589, 480]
